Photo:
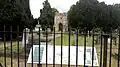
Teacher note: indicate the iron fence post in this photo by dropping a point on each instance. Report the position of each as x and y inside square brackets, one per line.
[105, 50]
[39, 65]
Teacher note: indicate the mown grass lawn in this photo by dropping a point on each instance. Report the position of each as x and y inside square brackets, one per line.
[8, 53]
[14, 48]
[73, 40]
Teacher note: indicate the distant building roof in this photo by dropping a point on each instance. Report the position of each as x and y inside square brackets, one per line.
[63, 14]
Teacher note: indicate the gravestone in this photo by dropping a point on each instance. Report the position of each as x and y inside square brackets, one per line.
[88, 61]
[97, 32]
[109, 40]
[75, 36]
[114, 37]
[48, 30]
[36, 30]
[25, 38]
[98, 40]
[114, 42]
[37, 27]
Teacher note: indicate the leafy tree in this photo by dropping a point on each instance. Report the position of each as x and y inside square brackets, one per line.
[46, 18]
[34, 22]
[54, 10]
[47, 15]
[89, 14]
[12, 14]
[2, 2]
[115, 13]
[83, 14]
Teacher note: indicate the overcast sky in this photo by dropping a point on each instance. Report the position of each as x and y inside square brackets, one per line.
[60, 5]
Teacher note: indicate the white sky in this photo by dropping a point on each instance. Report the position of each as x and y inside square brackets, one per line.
[60, 5]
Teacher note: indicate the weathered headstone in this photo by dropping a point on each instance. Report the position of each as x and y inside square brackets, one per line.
[25, 38]
[88, 61]
[75, 36]
[98, 40]
[48, 30]
[113, 40]
[109, 40]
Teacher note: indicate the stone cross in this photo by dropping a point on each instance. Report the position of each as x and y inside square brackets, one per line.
[37, 27]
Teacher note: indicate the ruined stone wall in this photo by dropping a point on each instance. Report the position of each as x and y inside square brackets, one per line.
[61, 18]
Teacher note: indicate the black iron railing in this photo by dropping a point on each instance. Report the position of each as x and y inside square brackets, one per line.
[108, 54]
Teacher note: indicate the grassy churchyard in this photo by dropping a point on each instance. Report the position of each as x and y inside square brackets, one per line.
[57, 42]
